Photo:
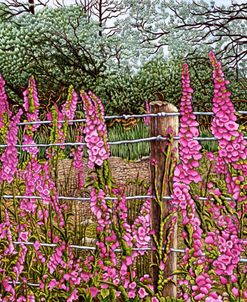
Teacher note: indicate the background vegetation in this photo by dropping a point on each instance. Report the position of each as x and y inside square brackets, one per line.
[124, 51]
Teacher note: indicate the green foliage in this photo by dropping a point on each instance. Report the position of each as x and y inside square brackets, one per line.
[57, 46]
[129, 151]
[129, 93]
[63, 46]
[191, 28]
[211, 146]
[126, 93]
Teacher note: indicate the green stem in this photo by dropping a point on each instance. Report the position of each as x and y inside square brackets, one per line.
[34, 227]
[43, 213]
[156, 189]
[17, 217]
[166, 171]
[242, 220]
[50, 221]
[1, 200]
[100, 178]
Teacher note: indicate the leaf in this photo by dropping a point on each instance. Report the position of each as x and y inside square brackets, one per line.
[104, 293]
[189, 231]
[179, 272]
[199, 270]
[61, 232]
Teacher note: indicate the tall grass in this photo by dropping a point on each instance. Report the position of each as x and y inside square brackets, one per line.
[211, 146]
[129, 151]
[115, 133]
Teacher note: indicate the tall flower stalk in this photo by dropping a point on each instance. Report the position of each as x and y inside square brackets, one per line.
[199, 285]
[31, 106]
[95, 130]
[228, 240]
[4, 106]
[9, 158]
[113, 230]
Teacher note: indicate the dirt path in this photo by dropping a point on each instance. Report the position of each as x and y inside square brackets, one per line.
[123, 172]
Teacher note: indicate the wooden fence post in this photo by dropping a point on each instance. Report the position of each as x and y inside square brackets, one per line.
[159, 126]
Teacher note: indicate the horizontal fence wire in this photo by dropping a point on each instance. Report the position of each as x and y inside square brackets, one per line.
[106, 198]
[131, 141]
[125, 116]
[26, 283]
[93, 248]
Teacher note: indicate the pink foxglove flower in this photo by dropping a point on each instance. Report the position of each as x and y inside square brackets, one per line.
[78, 159]
[9, 158]
[185, 173]
[69, 107]
[31, 105]
[189, 150]
[4, 106]
[147, 119]
[93, 291]
[19, 266]
[9, 288]
[141, 228]
[233, 146]
[95, 130]
[5, 233]
[142, 293]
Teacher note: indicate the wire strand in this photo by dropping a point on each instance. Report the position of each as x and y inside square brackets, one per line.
[132, 141]
[125, 116]
[93, 248]
[106, 198]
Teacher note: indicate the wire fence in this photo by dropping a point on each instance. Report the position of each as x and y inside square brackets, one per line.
[86, 199]
[93, 248]
[126, 116]
[112, 143]
[131, 141]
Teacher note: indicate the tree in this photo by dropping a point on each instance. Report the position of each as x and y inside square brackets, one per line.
[59, 47]
[105, 12]
[55, 45]
[62, 46]
[224, 27]
[192, 28]
[11, 8]
[110, 16]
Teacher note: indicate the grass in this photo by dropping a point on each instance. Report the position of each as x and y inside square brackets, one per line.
[211, 146]
[129, 151]
[115, 133]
